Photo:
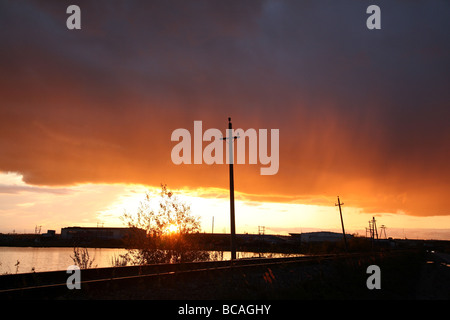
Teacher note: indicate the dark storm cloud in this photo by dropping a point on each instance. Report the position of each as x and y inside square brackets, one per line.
[362, 113]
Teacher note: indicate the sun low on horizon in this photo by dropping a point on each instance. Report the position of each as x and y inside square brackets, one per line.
[90, 204]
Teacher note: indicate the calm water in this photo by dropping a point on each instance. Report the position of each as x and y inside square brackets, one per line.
[49, 259]
[53, 259]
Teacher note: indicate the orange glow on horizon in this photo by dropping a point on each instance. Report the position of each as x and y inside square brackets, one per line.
[88, 204]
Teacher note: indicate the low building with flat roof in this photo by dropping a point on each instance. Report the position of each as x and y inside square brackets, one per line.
[319, 236]
[96, 233]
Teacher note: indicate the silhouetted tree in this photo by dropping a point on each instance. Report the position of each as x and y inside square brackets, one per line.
[166, 222]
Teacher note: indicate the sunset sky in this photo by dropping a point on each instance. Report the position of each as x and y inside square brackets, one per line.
[86, 116]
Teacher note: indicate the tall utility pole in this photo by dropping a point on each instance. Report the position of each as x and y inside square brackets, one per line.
[342, 221]
[374, 226]
[231, 160]
[383, 230]
[373, 230]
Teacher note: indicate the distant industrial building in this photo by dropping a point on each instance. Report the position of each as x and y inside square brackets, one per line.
[50, 234]
[96, 233]
[319, 236]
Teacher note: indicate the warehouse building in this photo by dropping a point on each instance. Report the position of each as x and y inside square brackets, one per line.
[96, 233]
[319, 236]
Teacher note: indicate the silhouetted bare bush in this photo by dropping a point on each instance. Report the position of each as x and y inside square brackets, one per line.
[166, 221]
[81, 258]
